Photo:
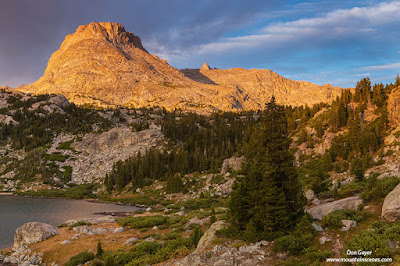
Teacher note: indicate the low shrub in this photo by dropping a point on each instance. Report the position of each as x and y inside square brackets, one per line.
[350, 189]
[118, 257]
[80, 223]
[293, 244]
[143, 221]
[65, 145]
[67, 175]
[297, 241]
[377, 189]
[371, 241]
[201, 203]
[81, 258]
[333, 220]
[56, 156]
[315, 255]
[148, 253]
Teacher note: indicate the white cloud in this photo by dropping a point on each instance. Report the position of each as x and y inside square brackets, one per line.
[331, 26]
[383, 67]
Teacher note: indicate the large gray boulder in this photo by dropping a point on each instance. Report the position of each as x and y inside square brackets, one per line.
[59, 100]
[210, 235]
[232, 164]
[310, 194]
[31, 233]
[391, 205]
[324, 209]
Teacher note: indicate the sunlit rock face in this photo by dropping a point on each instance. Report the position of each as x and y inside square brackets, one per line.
[104, 65]
[394, 107]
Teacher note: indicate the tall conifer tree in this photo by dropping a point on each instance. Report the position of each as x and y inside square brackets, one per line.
[268, 197]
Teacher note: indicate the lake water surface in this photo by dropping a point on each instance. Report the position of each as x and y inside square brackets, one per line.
[16, 211]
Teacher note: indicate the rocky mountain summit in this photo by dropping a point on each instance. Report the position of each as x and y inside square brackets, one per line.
[104, 65]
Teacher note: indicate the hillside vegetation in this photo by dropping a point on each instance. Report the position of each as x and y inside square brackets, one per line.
[300, 184]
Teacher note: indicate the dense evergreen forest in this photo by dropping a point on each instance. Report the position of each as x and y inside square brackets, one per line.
[200, 143]
[196, 143]
[36, 128]
[266, 202]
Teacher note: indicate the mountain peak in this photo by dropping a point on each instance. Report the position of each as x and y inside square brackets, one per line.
[205, 66]
[104, 65]
[112, 32]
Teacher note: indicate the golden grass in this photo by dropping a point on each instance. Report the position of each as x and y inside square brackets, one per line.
[54, 252]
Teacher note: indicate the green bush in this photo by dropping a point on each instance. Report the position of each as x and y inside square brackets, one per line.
[56, 156]
[148, 253]
[81, 258]
[333, 220]
[80, 223]
[378, 188]
[197, 204]
[300, 239]
[313, 175]
[315, 255]
[65, 145]
[218, 179]
[175, 184]
[325, 195]
[367, 240]
[196, 235]
[389, 231]
[67, 175]
[143, 221]
[118, 258]
[350, 189]
[171, 236]
[293, 244]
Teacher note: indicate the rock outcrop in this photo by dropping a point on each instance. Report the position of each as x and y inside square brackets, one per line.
[98, 152]
[391, 205]
[318, 212]
[209, 236]
[31, 233]
[394, 107]
[97, 220]
[232, 164]
[104, 65]
[207, 253]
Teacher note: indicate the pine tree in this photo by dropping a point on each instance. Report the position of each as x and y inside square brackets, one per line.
[213, 219]
[397, 83]
[196, 235]
[327, 162]
[100, 250]
[175, 184]
[319, 129]
[268, 198]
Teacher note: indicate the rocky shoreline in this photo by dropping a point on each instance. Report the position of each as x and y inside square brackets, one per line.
[34, 232]
[26, 254]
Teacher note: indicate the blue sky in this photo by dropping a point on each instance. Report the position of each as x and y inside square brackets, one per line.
[337, 42]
